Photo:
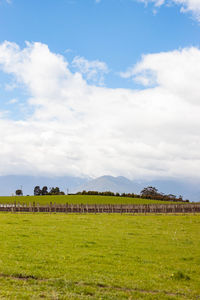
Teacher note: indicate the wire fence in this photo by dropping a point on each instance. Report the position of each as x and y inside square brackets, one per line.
[101, 208]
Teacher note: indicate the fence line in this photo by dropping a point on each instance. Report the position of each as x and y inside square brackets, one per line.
[101, 208]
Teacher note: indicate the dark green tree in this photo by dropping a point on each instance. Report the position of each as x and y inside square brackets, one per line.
[149, 191]
[37, 191]
[19, 192]
[44, 190]
[56, 191]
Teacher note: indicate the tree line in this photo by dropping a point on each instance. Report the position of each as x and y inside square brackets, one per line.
[44, 191]
[147, 193]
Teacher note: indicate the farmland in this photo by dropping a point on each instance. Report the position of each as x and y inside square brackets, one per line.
[99, 256]
[78, 199]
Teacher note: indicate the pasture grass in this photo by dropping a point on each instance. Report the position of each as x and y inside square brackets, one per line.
[103, 256]
[79, 199]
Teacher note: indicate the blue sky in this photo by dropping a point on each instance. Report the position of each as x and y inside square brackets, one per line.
[116, 32]
[89, 88]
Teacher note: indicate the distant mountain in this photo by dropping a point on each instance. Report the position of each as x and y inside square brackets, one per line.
[109, 183]
[120, 184]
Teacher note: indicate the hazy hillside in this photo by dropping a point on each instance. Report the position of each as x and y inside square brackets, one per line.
[121, 184]
[8, 185]
[109, 183]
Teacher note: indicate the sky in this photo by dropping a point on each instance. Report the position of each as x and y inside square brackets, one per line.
[91, 88]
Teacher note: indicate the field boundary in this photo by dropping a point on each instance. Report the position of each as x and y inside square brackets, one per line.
[101, 208]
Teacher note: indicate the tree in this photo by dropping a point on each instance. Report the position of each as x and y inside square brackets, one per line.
[44, 190]
[37, 191]
[149, 191]
[19, 192]
[56, 191]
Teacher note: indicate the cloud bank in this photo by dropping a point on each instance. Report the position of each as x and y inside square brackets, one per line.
[76, 128]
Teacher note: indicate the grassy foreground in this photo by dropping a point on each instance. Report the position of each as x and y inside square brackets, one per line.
[99, 256]
[78, 199]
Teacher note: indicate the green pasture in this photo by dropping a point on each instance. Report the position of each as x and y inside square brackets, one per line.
[79, 199]
[103, 256]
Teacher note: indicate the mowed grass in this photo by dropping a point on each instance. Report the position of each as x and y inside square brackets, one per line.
[78, 199]
[103, 256]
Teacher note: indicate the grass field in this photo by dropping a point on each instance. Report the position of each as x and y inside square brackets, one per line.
[78, 199]
[102, 256]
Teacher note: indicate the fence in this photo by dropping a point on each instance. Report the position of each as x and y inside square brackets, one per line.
[101, 208]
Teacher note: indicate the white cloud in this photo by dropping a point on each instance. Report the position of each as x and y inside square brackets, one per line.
[12, 101]
[79, 129]
[177, 72]
[192, 6]
[68, 50]
[94, 71]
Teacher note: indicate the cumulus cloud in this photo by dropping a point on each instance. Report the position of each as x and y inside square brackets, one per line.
[178, 72]
[81, 129]
[93, 71]
[192, 6]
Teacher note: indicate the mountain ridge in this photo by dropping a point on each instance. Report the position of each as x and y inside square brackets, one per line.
[69, 184]
[122, 184]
